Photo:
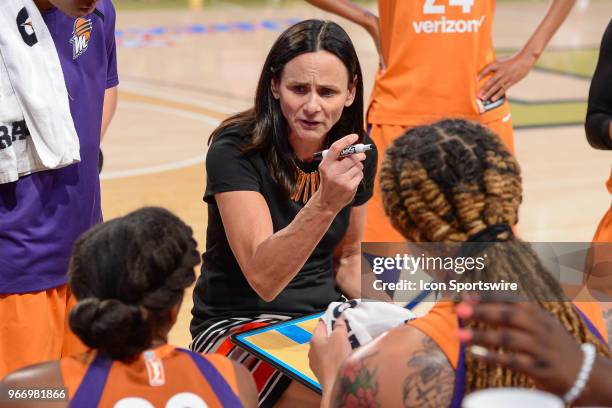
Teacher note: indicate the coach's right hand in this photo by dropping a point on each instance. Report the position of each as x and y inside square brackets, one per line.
[340, 177]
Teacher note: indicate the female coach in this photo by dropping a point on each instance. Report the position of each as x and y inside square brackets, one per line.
[284, 231]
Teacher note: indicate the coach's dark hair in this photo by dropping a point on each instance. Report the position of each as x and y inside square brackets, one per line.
[127, 274]
[265, 126]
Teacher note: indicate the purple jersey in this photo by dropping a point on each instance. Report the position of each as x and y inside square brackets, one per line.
[41, 215]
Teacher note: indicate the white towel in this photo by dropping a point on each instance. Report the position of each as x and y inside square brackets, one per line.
[366, 319]
[32, 89]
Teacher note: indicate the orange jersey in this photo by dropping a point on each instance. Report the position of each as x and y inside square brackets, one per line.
[604, 230]
[434, 50]
[163, 377]
[442, 326]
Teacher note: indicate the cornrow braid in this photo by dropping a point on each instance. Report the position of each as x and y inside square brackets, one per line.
[449, 180]
[172, 289]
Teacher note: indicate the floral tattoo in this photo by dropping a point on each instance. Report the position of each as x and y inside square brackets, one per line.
[357, 386]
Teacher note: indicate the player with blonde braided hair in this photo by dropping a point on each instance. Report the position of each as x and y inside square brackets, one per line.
[453, 181]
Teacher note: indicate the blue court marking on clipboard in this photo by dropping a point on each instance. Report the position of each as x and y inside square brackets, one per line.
[244, 338]
[295, 333]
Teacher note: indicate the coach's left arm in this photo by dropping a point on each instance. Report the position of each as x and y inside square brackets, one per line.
[508, 71]
[347, 261]
[347, 257]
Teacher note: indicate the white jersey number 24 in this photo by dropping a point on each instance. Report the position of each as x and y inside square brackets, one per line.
[430, 6]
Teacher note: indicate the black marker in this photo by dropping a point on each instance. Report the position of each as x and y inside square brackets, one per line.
[347, 151]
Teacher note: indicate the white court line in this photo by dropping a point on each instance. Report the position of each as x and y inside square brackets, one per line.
[167, 95]
[110, 175]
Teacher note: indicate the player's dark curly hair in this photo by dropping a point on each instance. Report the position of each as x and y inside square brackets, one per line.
[452, 179]
[127, 274]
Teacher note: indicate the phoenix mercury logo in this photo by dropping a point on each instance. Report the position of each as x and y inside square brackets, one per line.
[80, 36]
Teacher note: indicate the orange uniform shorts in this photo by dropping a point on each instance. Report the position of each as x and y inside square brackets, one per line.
[35, 328]
[604, 230]
[600, 277]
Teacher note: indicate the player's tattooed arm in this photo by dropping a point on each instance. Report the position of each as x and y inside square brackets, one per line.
[357, 384]
[407, 370]
[430, 379]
